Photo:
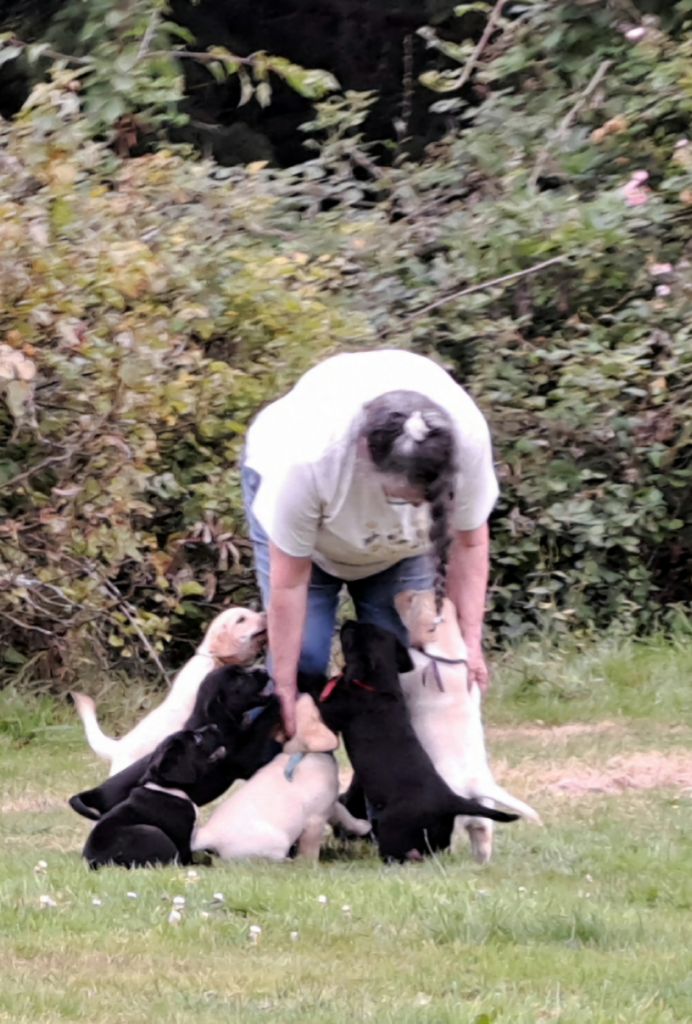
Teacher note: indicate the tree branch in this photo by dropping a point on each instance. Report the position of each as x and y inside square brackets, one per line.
[535, 269]
[148, 34]
[131, 615]
[203, 57]
[482, 43]
[26, 625]
[590, 89]
[48, 51]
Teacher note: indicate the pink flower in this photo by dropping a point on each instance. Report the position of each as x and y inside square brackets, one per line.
[635, 34]
[636, 192]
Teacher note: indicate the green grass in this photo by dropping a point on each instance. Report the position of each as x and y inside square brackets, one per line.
[586, 921]
[617, 678]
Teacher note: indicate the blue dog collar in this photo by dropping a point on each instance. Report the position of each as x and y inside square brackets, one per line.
[293, 762]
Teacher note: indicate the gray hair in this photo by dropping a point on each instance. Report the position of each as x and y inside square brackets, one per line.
[409, 435]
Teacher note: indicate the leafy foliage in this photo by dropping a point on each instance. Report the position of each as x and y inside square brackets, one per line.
[541, 250]
[126, 63]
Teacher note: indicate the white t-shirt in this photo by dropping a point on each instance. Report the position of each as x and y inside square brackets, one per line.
[320, 495]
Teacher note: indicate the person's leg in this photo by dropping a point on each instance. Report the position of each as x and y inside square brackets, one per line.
[323, 592]
[373, 596]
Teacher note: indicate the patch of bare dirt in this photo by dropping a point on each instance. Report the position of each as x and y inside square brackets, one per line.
[31, 802]
[552, 732]
[532, 776]
[650, 770]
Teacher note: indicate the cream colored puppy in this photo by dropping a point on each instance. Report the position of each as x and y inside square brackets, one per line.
[235, 637]
[290, 800]
[446, 712]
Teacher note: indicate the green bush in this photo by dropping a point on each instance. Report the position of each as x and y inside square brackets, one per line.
[151, 306]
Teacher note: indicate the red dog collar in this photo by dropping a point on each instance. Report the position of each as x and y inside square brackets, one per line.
[333, 683]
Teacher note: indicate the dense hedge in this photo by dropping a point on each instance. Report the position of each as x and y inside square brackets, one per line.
[152, 305]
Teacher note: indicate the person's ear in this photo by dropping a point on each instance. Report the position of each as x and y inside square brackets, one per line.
[403, 659]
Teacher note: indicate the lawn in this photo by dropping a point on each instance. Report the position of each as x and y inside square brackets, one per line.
[585, 921]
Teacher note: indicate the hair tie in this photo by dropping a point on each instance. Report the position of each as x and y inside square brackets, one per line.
[415, 426]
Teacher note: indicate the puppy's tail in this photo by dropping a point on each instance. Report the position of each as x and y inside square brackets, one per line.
[474, 809]
[342, 818]
[102, 745]
[500, 796]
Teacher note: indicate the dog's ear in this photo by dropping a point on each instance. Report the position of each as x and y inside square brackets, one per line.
[403, 659]
[176, 765]
[348, 636]
[260, 677]
[312, 683]
[165, 758]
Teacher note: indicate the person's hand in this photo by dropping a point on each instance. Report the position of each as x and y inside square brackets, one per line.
[288, 711]
[477, 669]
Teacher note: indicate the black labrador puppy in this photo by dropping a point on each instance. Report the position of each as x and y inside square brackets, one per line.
[154, 824]
[414, 807]
[225, 699]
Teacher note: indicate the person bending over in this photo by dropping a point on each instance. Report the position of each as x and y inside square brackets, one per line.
[375, 471]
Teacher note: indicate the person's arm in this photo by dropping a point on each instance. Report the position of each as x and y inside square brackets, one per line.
[467, 584]
[289, 578]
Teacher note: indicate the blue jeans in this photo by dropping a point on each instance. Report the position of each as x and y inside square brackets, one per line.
[373, 596]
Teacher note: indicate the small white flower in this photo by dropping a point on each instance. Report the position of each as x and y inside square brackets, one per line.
[254, 932]
[521, 888]
[218, 897]
[132, 895]
[662, 290]
[175, 917]
[179, 902]
[656, 269]
[588, 878]
[46, 901]
[96, 902]
[205, 914]
[423, 999]
[193, 875]
[323, 900]
[635, 34]
[294, 936]
[346, 909]
[41, 867]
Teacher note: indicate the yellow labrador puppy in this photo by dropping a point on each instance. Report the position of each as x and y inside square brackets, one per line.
[235, 637]
[290, 800]
[446, 712]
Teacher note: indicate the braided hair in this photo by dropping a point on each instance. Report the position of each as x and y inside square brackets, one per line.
[409, 435]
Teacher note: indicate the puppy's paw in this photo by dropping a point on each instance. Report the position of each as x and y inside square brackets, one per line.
[361, 828]
[78, 805]
[202, 858]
